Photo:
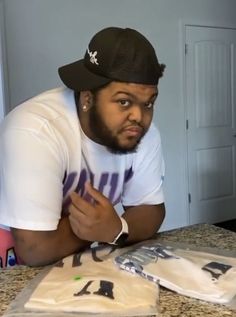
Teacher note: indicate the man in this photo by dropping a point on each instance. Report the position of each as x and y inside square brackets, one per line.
[70, 154]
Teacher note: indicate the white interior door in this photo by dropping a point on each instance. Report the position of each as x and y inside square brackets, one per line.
[211, 132]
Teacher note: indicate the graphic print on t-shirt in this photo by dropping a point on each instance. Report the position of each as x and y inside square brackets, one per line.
[110, 184]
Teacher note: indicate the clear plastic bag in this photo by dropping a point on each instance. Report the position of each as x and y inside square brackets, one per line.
[87, 284]
[202, 273]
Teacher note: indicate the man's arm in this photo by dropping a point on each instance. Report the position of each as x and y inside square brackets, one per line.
[97, 220]
[143, 221]
[37, 248]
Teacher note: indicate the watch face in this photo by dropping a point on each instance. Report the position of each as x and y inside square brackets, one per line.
[122, 238]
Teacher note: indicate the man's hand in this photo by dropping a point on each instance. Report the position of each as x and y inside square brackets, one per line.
[96, 220]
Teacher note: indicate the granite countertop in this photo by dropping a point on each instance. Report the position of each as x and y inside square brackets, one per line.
[13, 280]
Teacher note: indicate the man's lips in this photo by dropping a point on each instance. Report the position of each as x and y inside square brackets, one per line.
[134, 131]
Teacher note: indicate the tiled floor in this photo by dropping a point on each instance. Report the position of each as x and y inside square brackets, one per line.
[230, 225]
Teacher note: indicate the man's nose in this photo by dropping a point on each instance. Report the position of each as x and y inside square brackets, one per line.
[136, 113]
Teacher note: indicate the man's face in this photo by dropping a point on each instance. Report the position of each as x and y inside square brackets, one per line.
[121, 114]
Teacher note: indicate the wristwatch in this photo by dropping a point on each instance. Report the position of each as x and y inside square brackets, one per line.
[122, 235]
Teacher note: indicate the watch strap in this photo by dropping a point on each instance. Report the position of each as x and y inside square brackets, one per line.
[123, 234]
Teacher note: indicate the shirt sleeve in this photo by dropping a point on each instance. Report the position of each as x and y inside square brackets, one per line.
[146, 184]
[31, 173]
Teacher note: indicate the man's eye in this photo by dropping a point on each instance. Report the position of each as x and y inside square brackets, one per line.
[124, 102]
[149, 105]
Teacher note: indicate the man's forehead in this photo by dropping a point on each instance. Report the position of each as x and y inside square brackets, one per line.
[132, 89]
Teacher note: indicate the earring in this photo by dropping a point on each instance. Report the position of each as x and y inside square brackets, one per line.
[84, 107]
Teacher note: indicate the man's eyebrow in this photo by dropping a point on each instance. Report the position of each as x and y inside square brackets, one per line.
[134, 96]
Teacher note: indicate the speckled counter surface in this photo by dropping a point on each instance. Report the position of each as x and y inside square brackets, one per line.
[12, 281]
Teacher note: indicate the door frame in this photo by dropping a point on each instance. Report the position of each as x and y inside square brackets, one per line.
[183, 24]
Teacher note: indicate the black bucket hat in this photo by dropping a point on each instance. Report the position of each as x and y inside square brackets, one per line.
[114, 54]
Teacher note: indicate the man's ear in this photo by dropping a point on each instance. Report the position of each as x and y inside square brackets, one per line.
[86, 100]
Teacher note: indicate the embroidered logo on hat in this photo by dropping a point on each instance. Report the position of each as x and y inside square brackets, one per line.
[93, 58]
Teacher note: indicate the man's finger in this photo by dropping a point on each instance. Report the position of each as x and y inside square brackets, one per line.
[95, 194]
[76, 214]
[79, 203]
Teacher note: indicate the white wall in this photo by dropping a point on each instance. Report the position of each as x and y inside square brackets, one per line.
[1, 98]
[42, 35]
[2, 90]
[2, 103]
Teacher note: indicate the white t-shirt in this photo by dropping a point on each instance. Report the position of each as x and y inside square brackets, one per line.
[45, 156]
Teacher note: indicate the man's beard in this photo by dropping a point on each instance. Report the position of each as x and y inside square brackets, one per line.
[104, 134]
